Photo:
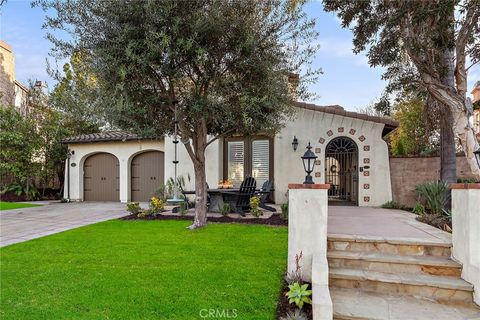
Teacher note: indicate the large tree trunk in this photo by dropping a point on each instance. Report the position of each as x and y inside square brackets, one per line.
[448, 166]
[200, 196]
[462, 129]
[196, 147]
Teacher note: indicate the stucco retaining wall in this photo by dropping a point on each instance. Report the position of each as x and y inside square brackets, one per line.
[408, 172]
[307, 234]
[466, 232]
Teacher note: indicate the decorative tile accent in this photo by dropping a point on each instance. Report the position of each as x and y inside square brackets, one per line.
[341, 129]
[318, 174]
[352, 131]
[366, 186]
[366, 173]
[321, 140]
[366, 148]
[366, 160]
[366, 199]
[318, 162]
[318, 150]
[329, 133]
[361, 138]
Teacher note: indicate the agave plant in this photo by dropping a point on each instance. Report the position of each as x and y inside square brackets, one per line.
[299, 294]
[297, 314]
[435, 195]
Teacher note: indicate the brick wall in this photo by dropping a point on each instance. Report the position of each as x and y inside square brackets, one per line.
[408, 172]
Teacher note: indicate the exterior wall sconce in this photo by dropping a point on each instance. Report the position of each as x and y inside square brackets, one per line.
[477, 156]
[295, 143]
[308, 159]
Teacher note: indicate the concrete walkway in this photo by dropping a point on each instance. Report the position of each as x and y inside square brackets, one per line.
[29, 223]
[382, 224]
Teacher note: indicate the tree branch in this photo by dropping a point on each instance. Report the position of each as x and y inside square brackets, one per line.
[471, 19]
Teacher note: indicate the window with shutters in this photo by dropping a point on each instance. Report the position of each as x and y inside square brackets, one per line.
[261, 161]
[245, 157]
[236, 162]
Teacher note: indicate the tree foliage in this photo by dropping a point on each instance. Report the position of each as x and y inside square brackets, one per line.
[412, 137]
[422, 42]
[224, 63]
[20, 145]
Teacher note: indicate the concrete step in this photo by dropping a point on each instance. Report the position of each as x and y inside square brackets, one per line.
[352, 304]
[408, 247]
[394, 263]
[445, 290]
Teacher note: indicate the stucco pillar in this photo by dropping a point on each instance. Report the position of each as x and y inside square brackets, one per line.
[307, 233]
[124, 180]
[466, 231]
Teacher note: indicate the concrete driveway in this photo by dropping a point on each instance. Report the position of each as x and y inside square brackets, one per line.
[29, 223]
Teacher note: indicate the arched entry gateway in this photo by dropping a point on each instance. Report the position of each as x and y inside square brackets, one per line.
[341, 170]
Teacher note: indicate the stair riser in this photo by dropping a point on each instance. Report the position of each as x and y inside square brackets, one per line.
[441, 295]
[389, 267]
[400, 249]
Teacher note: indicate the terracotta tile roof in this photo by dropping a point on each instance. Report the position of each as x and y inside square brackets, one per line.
[389, 123]
[119, 135]
[103, 136]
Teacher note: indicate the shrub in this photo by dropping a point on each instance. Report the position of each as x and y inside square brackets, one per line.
[284, 208]
[225, 209]
[183, 208]
[419, 209]
[254, 204]
[133, 207]
[156, 206]
[299, 294]
[392, 205]
[435, 195]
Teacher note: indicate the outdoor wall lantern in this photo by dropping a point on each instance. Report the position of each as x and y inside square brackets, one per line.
[295, 143]
[308, 159]
[477, 156]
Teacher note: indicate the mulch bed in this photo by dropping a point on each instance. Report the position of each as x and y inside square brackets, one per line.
[438, 221]
[283, 306]
[274, 220]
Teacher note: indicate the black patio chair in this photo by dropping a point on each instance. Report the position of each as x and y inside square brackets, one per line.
[263, 195]
[240, 200]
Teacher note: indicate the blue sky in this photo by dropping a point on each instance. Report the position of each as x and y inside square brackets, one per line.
[347, 79]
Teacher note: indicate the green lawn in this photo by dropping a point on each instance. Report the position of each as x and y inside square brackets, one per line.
[145, 270]
[15, 205]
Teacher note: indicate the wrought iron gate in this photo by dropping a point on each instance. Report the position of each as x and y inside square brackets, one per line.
[341, 169]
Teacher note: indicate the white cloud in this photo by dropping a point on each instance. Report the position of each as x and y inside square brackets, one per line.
[342, 48]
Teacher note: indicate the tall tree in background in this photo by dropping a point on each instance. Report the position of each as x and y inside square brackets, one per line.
[437, 44]
[223, 64]
[79, 95]
[415, 135]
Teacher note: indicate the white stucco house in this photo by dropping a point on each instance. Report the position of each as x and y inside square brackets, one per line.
[352, 157]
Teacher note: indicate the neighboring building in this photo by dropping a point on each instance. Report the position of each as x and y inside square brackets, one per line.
[352, 156]
[476, 111]
[12, 91]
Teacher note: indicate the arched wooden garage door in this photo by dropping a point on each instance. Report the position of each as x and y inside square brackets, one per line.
[147, 174]
[101, 181]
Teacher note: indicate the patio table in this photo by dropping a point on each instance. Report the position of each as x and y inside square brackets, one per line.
[217, 197]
